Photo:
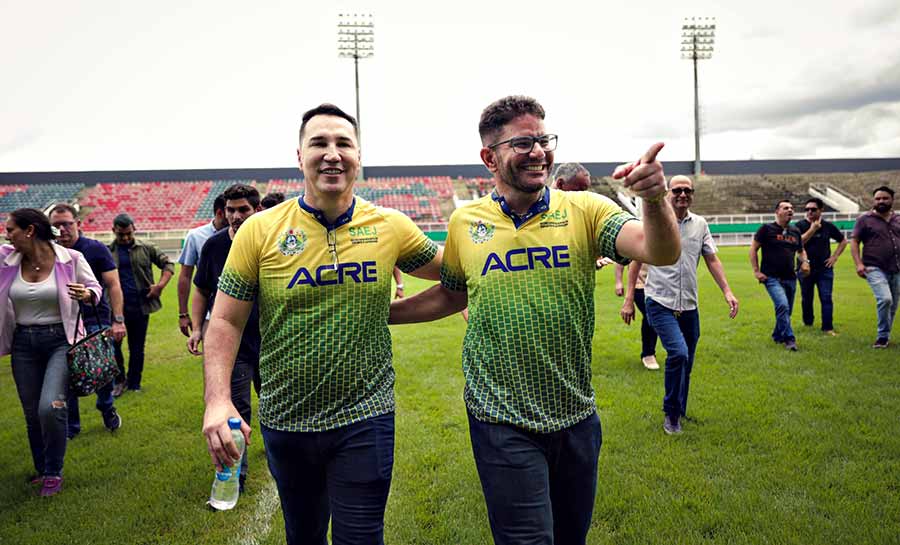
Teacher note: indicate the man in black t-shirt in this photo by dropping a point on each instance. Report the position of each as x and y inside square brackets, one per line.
[779, 242]
[817, 235]
[241, 202]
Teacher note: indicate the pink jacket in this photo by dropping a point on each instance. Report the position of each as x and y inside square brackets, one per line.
[70, 266]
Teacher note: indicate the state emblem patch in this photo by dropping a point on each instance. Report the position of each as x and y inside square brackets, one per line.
[292, 242]
[481, 232]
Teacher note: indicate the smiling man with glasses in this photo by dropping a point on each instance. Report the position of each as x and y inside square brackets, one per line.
[319, 267]
[817, 236]
[523, 258]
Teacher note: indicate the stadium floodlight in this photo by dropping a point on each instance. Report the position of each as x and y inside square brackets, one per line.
[356, 40]
[698, 36]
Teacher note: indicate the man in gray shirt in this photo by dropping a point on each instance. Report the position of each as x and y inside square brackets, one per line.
[671, 299]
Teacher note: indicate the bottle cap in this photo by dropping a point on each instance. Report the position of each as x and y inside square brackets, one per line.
[234, 423]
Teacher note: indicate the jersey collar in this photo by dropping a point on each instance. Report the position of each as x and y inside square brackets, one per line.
[541, 205]
[320, 217]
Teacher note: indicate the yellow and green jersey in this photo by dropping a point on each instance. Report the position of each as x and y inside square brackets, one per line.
[324, 295]
[530, 281]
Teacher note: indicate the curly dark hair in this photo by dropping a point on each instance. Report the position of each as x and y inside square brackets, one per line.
[242, 191]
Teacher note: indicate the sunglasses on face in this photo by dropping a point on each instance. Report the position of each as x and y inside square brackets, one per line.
[682, 191]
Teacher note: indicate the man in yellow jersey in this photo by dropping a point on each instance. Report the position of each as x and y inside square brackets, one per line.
[523, 259]
[320, 267]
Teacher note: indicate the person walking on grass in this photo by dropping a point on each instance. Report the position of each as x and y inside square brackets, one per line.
[817, 236]
[524, 258]
[780, 242]
[319, 267]
[190, 255]
[672, 300]
[134, 258]
[42, 284]
[241, 202]
[65, 218]
[878, 230]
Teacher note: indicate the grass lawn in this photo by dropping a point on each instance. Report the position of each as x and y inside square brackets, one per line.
[783, 447]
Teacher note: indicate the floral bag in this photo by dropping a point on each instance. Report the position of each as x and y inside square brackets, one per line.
[92, 360]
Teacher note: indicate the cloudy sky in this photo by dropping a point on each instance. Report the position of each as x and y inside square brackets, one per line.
[99, 85]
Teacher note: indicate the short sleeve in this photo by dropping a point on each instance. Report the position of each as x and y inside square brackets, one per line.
[760, 236]
[709, 245]
[240, 277]
[452, 276]
[835, 233]
[607, 218]
[190, 255]
[103, 259]
[859, 229]
[416, 249]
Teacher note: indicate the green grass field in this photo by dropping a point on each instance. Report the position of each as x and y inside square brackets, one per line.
[785, 447]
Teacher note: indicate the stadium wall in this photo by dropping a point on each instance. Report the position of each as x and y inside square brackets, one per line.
[722, 168]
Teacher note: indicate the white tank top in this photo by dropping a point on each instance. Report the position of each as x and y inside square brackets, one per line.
[35, 303]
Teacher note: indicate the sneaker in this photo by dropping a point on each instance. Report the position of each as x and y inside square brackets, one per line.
[880, 342]
[671, 425]
[830, 333]
[791, 345]
[112, 420]
[34, 480]
[51, 486]
[650, 362]
[119, 389]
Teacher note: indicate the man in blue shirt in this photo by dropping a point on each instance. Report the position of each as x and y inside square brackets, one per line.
[134, 258]
[190, 255]
[65, 218]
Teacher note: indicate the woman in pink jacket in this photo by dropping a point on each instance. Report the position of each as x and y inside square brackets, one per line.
[40, 286]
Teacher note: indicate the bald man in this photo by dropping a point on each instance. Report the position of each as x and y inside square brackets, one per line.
[671, 300]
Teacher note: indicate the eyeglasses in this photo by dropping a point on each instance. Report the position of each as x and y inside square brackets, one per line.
[63, 224]
[811, 209]
[682, 191]
[331, 237]
[524, 144]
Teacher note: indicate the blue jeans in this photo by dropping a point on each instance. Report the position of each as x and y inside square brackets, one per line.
[823, 280]
[343, 474]
[42, 376]
[539, 487]
[679, 333]
[104, 397]
[648, 334]
[782, 293]
[886, 287]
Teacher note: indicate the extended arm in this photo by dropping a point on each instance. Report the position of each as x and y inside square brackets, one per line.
[718, 273]
[223, 337]
[431, 304]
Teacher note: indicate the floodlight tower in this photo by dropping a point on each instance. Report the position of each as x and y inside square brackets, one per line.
[356, 39]
[698, 36]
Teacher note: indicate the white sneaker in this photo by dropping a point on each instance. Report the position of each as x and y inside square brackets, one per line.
[650, 362]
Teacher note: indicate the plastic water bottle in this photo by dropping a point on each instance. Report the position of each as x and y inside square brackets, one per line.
[226, 484]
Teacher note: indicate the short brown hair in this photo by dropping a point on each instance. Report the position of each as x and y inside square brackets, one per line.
[64, 207]
[327, 109]
[501, 112]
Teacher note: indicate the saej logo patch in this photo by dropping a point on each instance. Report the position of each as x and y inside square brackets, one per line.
[481, 232]
[292, 242]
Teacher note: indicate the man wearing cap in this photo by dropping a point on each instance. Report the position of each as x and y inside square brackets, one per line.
[135, 258]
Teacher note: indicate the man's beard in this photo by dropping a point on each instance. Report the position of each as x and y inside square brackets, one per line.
[881, 208]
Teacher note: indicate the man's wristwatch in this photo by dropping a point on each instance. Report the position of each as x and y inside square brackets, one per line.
[184, 315]
[399, 286]
[119, 319]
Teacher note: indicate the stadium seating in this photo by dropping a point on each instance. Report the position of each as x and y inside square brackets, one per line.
[35, 196]
[205, 211]
[155, 205]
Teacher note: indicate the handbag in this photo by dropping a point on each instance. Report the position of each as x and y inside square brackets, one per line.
[92, 360]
